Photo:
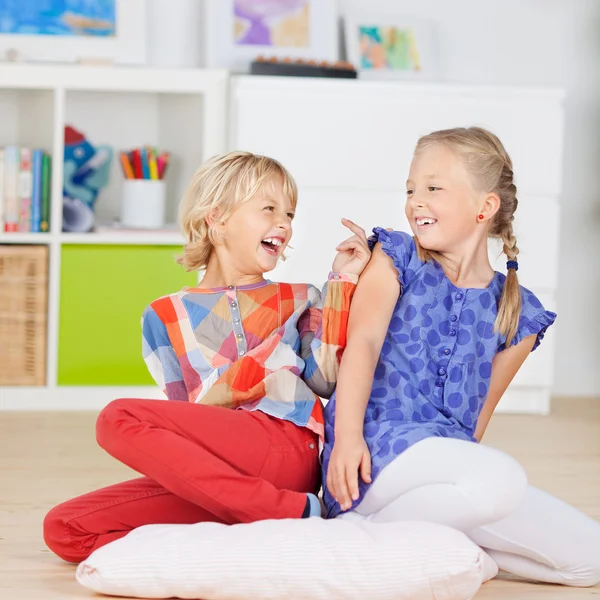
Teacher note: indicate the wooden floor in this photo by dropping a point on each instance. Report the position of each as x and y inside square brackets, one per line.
[46, 458]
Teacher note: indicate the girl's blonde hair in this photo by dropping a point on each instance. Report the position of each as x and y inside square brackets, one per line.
[216, 190]
[491, 169]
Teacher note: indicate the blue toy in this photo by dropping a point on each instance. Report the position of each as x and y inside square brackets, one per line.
[86, 172]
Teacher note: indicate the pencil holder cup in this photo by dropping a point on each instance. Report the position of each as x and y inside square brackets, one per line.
[143, 203]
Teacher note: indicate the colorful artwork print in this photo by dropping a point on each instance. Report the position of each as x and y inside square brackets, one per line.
[277, 23]
[87, 18]
[388, 48]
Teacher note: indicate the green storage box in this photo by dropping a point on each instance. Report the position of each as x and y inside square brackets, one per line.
[104, 290]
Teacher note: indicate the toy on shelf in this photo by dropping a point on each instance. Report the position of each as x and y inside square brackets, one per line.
[86, 172]
[302, 68]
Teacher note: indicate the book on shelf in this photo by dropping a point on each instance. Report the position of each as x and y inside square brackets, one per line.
[45, 212]
[11, 189]
[25, 189]
[36, 191]
[25, 175]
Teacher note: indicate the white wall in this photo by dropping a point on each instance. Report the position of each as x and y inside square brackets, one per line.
[539, 42]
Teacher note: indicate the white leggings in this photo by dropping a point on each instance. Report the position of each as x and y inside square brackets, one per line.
[484, 493]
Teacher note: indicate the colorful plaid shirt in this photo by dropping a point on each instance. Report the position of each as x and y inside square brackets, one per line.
[273, 347]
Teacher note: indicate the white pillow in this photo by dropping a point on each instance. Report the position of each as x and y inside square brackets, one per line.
[295, 559]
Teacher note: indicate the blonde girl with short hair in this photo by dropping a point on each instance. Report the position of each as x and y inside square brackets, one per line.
[245, 360]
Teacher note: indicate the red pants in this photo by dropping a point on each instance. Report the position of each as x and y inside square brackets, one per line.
[202, 463]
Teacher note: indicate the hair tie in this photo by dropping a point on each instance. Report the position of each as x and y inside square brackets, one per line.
[512, 264]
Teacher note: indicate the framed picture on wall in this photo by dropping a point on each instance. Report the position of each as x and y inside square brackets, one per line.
[73, 30]
[391, 48]
[238, 31]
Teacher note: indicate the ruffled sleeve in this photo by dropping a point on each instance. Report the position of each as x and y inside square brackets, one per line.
[400, 247]
[534, 319]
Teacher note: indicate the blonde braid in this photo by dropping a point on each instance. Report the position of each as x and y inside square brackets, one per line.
[509, 311]
[510, 242]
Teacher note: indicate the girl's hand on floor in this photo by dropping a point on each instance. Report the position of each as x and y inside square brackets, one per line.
[348, 456]
[353, 254]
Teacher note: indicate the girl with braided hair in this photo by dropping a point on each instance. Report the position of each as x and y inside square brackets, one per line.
[435, 336]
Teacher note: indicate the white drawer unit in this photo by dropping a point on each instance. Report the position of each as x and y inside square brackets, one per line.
[349, 145]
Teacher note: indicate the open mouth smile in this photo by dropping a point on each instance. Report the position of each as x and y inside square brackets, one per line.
[272, 245]
[425, 222]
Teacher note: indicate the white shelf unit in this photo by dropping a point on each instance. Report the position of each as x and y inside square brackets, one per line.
[348, 144]
[179, 110]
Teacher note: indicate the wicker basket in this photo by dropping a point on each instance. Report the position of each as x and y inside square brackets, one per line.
[23, 314]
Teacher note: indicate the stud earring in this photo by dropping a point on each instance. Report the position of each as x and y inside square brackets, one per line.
[480, 217]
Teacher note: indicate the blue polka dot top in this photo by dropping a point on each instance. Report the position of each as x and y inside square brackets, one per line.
[434, 370]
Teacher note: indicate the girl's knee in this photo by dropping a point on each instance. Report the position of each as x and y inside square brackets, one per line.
[109, 419]
[505, 487]
[512, 479]
[58, 535]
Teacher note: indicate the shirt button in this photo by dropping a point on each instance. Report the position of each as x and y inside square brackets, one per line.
[229, 287]
[336, 276]
[441, 371]
[233, 304]
[446, 351]
[459, 296]
[242, 353]
[236, 321]
[240, 336]
[311, 446]
[453, 318]
[439, 382]
[453, 332]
